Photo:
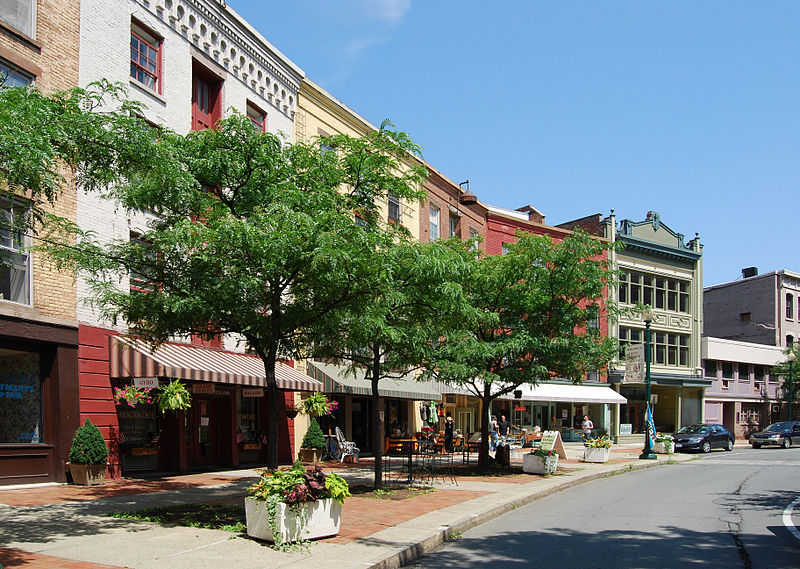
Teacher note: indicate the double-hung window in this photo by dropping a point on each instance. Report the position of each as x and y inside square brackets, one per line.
[257, 117]
[146, 57]
[11, 76]
[15, 259]
[394, 208]
[20, 14]
[435, 222]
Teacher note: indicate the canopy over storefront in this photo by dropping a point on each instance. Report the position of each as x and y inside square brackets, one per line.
[569, 393]
[337, 379]
[131, 358]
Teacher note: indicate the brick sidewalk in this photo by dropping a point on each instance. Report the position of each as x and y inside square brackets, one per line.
[17, 558]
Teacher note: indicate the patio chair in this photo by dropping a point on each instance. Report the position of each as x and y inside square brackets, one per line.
[346, 448]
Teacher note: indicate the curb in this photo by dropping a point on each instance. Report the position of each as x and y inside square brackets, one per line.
[414, 551]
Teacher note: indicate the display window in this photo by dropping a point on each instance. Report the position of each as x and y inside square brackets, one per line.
[139, 435]
[20, 397]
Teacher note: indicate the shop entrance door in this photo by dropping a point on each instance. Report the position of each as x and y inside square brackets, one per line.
[635, 416]
[208, 429]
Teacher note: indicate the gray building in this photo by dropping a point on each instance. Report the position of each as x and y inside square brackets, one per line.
[762, 309]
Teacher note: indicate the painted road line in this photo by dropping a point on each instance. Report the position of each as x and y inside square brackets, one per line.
[787, 519]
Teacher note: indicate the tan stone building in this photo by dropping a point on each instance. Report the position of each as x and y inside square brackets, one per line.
[38, 328]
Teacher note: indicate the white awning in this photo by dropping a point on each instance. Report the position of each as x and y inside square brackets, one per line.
[569, 393]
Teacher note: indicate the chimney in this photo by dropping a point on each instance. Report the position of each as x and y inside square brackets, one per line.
[749, 272]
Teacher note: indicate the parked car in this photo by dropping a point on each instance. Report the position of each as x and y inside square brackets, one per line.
[777, 434]
[703, 437]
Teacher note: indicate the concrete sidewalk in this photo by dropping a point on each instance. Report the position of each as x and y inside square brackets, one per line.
[47, 527]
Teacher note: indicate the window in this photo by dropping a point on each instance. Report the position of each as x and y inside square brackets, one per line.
[758, 373]
[744, 317]
[434, 217]
[789, 306]
[205, 99]
[11, 76]
[139, 282]
[744, 372]
[20, 397]
[394, 208]
[727, 370]
[757, 386]
[789, 340]
[473, 235]
[726, 384]
[666, 349]
[454, 226]
[658, 292]
[146, 57]
[257, 117]
[15, 260]
[710, 367]
[20, 14]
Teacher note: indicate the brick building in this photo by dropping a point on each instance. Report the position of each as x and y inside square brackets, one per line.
[38, 328]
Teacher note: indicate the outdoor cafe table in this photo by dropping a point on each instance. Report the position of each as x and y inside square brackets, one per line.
[420, 460]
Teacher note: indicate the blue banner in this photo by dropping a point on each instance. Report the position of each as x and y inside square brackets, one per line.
[651, 426]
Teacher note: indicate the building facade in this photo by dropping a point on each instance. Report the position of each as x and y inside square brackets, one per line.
[190, 63]
[38, 327]
[744, 396]
[451, 210]
[764, 309]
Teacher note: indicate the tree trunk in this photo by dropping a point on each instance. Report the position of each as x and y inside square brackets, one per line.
[270, 359]
[483, 456]
[375, 427]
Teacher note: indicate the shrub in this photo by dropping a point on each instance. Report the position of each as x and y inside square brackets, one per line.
[88, 446]
[314, 437]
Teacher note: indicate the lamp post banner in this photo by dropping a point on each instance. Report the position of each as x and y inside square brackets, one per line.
[651, 427]
[634, 364]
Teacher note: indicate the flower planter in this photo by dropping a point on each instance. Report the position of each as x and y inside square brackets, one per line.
[322, 519]
[88, 474]
[664, 448]
[535, 464]
[310, 454]
[596, 454]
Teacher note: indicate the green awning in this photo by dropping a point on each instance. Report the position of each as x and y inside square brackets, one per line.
[337, 379]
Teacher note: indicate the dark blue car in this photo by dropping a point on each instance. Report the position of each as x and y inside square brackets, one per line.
[703, 437]
[779, 434]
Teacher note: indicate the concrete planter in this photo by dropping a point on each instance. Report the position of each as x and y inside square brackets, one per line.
[596, 454]
[88, 474]
[664, 448]
[310, 454]
[322, 519]
[534, 464]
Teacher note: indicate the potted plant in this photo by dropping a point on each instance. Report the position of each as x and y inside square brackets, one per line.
[295, 505]
[665, 444]
[313, 443]
[173, 396]
[597, 450]
[88, 456]
[132, 395]
[540, 461]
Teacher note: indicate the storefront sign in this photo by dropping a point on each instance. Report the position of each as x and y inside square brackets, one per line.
[634, 364]
[565, 414]
[519, 408]
[625, 429]
[204, 388]
[252, 392]
[551, 440]
[145, 382]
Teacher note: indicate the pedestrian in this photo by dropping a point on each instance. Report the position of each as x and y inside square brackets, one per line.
[493, 433]
[587, 426]
[449, 423]
[503, 427]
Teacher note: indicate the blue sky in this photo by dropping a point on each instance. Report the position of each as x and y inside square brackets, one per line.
[686, 108]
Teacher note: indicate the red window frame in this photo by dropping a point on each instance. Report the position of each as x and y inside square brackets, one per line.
[206, 98]
[254, 113]
[137, 65]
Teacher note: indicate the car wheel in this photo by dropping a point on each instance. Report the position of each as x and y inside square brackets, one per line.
[706, 447]
[787, 442]
[729, 448]
[756, 445]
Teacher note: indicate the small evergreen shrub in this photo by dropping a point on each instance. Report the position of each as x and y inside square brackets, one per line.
[88, 446]
[314, 437]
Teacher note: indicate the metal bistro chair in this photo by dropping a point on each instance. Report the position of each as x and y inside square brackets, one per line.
[346, 448]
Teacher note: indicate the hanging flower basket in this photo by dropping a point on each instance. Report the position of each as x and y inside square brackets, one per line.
[132, 395]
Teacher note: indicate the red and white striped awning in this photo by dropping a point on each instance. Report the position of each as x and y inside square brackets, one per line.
[134, 358]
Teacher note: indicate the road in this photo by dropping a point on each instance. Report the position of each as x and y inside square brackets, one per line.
[723, 510]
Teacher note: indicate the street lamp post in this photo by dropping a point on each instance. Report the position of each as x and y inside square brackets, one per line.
[647, 452]
[791, 357]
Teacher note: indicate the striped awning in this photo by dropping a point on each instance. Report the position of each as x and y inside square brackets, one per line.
[134, 358]
[337, 379]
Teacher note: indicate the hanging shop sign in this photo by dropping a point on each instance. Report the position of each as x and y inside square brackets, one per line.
[145, 382]
[204, 388]
[252, 392]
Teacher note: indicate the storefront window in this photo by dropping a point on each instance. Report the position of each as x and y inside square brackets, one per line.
[20, 397]
[247, 431]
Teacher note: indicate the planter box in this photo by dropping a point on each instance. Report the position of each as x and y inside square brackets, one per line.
[664, 448]
[596, 454]
[322, 520]
[88, 474]
[310, 454]
[534, 464]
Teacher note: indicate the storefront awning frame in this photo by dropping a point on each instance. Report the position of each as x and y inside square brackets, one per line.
[569, 393]
[336, 379]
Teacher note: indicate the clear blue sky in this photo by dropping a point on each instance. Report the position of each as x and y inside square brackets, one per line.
[686, 108]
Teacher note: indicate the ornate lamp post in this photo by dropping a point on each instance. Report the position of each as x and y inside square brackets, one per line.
[647, 452]
[791, 357]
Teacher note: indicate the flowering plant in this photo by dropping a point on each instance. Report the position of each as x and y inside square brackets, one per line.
[664, 438]
[544, 453]
[132, 395]
[427, 430]
[601, 442]
[317, 405]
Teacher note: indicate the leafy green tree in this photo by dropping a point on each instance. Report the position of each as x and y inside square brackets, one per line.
[415, 299]
[534, 303]
[249, 236]
[782, 371]
[313, 437]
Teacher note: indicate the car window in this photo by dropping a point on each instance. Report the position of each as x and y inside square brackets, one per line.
[777, 427]
[795, 428]
[693, 430]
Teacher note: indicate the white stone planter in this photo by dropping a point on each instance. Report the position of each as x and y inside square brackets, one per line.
[596, 454]
[664, 448]
[534, 464]
[322, 520]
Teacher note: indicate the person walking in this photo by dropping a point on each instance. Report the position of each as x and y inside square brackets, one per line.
[493, 433]
[587, 426]
[449, 423]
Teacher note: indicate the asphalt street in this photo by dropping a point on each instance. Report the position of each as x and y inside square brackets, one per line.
[722, 510]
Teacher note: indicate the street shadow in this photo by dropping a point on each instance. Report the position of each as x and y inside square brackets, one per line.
[668, 548]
